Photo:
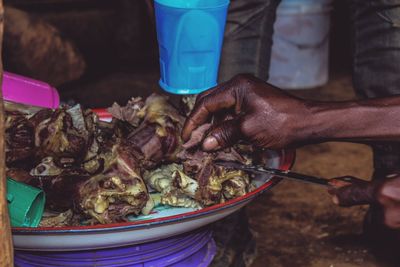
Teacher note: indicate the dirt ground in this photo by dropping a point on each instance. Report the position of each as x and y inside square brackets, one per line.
[298, 225]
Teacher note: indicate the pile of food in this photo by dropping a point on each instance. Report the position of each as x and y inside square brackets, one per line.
[94, 171]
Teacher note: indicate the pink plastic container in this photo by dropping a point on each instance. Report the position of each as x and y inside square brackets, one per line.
[24, 90]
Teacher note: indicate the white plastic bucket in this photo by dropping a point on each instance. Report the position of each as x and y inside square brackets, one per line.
[300, 50]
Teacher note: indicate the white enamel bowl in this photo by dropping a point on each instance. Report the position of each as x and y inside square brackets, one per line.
[162, 223]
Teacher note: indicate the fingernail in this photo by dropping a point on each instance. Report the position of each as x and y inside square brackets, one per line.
[335, 200]
[210, 143]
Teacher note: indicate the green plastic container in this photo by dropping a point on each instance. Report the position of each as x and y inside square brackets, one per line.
[25, 204]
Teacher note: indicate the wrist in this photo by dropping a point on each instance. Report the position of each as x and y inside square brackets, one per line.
[373, 119]
[335, 121]
[307, 125]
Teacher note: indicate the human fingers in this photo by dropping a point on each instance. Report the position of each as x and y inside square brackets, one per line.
[223, 135]
[349, 191]
[219, 98]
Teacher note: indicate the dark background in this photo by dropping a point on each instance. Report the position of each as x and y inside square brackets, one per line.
[117, 41]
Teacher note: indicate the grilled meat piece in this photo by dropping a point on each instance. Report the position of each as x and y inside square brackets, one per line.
[175, 187]
[19, 138]
[158, 136]
[95, 168]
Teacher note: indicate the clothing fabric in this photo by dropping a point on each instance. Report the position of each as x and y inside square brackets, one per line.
[248, 38]
[376, 73]
[376, 64]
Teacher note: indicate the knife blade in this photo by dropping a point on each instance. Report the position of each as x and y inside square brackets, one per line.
[276, 172]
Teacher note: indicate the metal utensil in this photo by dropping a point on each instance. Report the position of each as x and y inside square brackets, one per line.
[276, 172]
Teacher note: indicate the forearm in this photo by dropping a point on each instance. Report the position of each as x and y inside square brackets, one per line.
[375, 119]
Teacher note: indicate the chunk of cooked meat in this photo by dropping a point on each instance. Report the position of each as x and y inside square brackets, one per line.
[211, 179]
[96, 168]
[19, 138]
[131, 113]
[116, 192]
[175, 187]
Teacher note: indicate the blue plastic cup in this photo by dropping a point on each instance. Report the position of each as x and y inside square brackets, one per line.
[190, 35]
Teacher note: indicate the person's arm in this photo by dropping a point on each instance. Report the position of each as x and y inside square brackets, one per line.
[266, 116]
[373, 119]
[271, 118]
[384, 192]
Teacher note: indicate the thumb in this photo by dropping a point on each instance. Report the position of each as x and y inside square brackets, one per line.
[359, 192]
[223, 135]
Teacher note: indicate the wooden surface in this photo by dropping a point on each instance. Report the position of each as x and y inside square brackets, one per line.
[6, 248]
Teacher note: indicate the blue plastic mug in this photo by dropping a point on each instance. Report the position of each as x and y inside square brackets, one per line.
[190, 35]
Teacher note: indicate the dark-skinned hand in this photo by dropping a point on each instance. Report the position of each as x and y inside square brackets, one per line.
[249, 109]
[253, 111]
[384, 192]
